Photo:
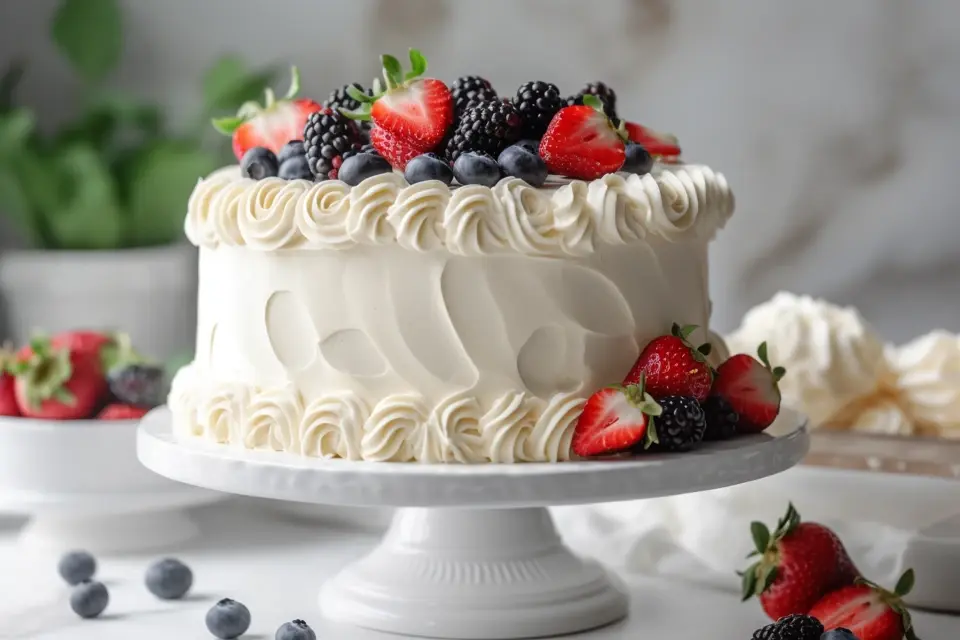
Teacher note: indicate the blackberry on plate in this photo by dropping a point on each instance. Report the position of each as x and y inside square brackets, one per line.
[792, 627]
[327, 135]
[467, 89]
[489, 127]
[607, 96]
[680, 424]
[722, 420]
[537, 103]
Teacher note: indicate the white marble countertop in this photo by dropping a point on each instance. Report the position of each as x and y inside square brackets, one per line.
[275, 564]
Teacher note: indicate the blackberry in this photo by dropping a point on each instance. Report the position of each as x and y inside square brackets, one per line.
[680, 424]
[792, 627]
[537, 103]
[722, 420]
[469, 89]
[141, 385]
[327, 135]
[489, 127]
[608, 97]
[340, 99]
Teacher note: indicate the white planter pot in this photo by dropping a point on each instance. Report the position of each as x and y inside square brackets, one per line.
[151, 294]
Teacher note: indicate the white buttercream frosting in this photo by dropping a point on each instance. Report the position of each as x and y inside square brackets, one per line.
[322, 215]
[369, 203]
[417, 215]
[272, 420]
[332, 426]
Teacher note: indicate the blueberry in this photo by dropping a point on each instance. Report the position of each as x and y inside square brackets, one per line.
[89, 599]
[295, 168]
[292, 149]
[358, 168]
[169, 579]
[429, 166]
[476, 168]
[296, 630]
[142, 385]
[77, 566]
[838, 634]
[259, 163]
[532, 145]
[228, 619]
[520, 162]
[638, 159]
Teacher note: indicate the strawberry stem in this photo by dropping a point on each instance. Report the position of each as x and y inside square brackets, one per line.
[294, 84]
[251, 109]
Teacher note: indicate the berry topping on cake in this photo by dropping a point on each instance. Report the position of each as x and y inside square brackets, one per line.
[293, 149]
[476, 168]
[358, 168]
[118, 411]
[606, 95]
[750, 386]
[259, 163]
[616, 419]
[799, 562]
[428, 166]
[660, 145]
[8, 399]
[296, 168]
[672, 366]
[468, 90]
[397, 151]
[520, 162]
[488, 127]
[794, 627]
[537, 103]
[638, 159]
[722, 420]
[327, 135]
[341, 98]
[680, 425]
[581, 142]
[868, 611]
[271, 125]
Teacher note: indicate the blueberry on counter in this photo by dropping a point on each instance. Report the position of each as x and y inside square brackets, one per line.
[295, 168]
[428, 166]
[472, 167]
[358, 168]
[519, 162]
[296, 630]
[89, 599]
[142, 385]
[228, 619]
[638, 159]
[259, 163]
[169, 579]
[292, 149]
[77, 566]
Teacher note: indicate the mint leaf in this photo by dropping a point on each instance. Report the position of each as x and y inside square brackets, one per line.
[89, 34]
[88, 215]
[229, 83]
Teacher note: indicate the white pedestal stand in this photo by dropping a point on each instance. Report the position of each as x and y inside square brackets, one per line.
[475, 553]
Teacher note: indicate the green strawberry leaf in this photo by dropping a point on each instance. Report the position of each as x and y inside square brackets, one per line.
[228, 125]
[768, 574]
[392, 71]
[761, 536]
[418, 64]
[358, 95]
[749, 583]
[294, 84]
[905, 583]
[89, 34]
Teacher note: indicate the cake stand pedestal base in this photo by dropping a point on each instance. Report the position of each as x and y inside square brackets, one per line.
[474, 573]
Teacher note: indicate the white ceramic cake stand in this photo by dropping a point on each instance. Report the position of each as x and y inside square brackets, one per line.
[474, 552]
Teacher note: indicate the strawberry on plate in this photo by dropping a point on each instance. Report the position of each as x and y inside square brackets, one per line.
[869, 611]
[581, 142]
[117, 411]
[614, 420]
[417, 111]
[8, 400]
[799, 562]
[271, 125]
[750, 387]
[672, 366]
[662, 146]
[57, 383]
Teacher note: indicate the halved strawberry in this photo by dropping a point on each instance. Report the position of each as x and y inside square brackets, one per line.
[672, 366]
[868, 610]
[271, 125]
[581, 142]
[397, 151]
[662, 146]
[615, 419]
[750, 386]
[416, 110]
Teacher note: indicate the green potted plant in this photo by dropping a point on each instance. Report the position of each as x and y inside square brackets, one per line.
[98, 205]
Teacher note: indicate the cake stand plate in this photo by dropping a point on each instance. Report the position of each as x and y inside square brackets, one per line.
[473, 553]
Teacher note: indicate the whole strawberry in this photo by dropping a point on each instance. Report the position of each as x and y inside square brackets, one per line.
[750, 387]
[57, 383]
[869, 611]
[271, 125]
[798, 563]
[671, 366]
[581, 142]
[616, 419]
[8, 400]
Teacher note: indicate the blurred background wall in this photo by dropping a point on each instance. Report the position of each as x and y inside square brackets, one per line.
[837, 123]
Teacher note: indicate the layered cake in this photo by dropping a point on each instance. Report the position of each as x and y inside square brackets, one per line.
[440, 274]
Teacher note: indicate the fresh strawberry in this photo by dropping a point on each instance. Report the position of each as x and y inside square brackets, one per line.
[869, 611]
[615, 419]
[118, 411]
[415, 110]
[750, 387]
[661, 146]
[8, 400]
[397, 151]
[581, 142]
[271, 125]
[55, 383]
[672, 366]
[82, 341]
[799, 563]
